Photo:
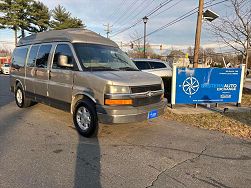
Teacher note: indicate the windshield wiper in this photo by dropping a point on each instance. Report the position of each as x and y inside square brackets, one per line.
[128, 69]
[102, 68]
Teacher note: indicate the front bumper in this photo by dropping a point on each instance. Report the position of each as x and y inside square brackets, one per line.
[128, 114]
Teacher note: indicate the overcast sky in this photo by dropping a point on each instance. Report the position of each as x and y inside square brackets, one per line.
[123, 13]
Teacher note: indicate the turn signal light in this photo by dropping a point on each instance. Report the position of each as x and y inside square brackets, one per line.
[118, 101]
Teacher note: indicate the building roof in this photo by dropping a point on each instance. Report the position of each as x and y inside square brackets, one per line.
[66, 35]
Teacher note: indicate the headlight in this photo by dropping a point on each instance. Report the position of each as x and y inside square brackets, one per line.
[117, 89]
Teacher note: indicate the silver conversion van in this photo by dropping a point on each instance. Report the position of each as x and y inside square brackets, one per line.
[82, 72]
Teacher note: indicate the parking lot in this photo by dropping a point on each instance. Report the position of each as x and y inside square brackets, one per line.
[39, 147]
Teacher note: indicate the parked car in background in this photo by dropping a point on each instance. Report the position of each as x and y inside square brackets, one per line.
[154, 66]
[159, 68]
[5, 69]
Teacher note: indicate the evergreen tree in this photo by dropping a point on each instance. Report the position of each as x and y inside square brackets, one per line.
[39, 17]
[24, 15]
[62, 19]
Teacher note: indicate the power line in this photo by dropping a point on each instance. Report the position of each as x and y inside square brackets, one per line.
[159, 7]
[184, 16]
[116, 11]
[130, 12]
[167, 8]
[143, 8]
[151, 13]
[125, 12]
[148, 15]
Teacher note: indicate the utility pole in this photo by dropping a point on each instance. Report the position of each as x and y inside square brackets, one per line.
[108, 29]
[198, 34]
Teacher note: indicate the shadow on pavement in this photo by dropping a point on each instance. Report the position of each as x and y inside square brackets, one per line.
[6, 96]
[87, 169]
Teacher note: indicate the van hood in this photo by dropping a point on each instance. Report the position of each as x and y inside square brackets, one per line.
[128, 78]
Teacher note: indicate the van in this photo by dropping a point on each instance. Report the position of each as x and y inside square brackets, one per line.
[86, 74]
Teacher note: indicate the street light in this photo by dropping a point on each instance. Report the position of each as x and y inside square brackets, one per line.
[145, 19]
[209, 15]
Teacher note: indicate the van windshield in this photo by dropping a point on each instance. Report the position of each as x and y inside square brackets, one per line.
[98, 57]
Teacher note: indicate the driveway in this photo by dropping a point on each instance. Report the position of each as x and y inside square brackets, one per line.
[39, 147]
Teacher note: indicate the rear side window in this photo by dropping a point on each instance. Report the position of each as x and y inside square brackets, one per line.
[43, 56]
[142, 65]
[157, 65]
[19, 57]
[32, 56]
[62, 49]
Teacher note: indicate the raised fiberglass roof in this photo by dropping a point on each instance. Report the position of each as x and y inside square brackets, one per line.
[66, 35]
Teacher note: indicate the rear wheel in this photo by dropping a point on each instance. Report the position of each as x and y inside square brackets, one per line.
[85, 118]
[21, 100]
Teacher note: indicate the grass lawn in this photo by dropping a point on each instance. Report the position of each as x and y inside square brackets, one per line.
[235, 124]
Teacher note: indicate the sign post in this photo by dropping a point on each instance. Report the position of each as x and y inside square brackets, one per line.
[243, 68]
[173, 92]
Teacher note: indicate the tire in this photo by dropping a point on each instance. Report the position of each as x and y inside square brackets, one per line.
[21, 100]
[87, 123]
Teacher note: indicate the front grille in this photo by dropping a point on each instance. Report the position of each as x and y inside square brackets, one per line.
[141, 89]
[146, 100]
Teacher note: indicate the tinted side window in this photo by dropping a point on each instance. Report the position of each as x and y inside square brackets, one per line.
[32, 56]
[142, 65]
[157, 65]
[19, 57]
[43, 55]
[62, 49]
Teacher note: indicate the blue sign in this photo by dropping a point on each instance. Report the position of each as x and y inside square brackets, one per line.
[207, 85]
[153, 114]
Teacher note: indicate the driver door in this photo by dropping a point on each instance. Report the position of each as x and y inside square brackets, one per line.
[60, 83]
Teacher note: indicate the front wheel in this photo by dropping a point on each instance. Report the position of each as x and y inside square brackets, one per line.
[85, 118]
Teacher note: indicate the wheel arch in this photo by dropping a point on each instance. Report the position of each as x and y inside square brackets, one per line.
[17, 81]
[81, 96]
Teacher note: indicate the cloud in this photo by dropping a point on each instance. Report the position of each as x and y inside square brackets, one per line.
[96, 13]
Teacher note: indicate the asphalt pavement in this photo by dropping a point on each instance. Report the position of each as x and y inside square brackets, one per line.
[39, 147]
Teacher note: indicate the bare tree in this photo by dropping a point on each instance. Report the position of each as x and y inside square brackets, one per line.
[137, 41]
[234, 29]
[138, 46]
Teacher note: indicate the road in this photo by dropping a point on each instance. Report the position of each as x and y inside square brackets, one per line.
[39, 147]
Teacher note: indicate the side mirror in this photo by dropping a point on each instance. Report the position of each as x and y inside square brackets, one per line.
[63, 61]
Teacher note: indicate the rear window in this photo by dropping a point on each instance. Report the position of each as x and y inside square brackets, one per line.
[157, 65]
[43, 56]
[142, 65]
[6, 65]
[19, 57]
